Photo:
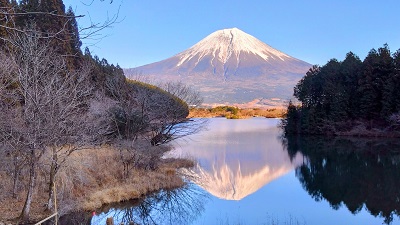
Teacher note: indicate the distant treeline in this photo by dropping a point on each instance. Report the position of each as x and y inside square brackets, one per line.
[351, 97]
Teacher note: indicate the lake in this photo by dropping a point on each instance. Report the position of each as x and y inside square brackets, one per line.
[247, 173]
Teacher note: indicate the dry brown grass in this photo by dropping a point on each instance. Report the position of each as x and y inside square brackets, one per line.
[144, 182]
[242, 113]
[173, 163]
[92, 178]
[268, 113]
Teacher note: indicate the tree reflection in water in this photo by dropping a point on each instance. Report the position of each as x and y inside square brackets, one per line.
[178, 206]
[353, 172]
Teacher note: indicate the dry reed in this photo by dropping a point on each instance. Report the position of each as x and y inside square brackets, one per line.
[90, 179]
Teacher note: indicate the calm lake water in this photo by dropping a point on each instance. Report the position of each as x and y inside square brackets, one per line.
[248, 174]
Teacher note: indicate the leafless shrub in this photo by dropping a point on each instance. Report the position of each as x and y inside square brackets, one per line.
[44, 106]
[184, 92]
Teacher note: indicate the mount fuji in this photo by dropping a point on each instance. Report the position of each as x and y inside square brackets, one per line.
[231, 67]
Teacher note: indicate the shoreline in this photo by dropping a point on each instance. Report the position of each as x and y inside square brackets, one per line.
[97, 188]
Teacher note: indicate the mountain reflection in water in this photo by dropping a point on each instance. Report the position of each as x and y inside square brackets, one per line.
[328, 180]
[235, 159]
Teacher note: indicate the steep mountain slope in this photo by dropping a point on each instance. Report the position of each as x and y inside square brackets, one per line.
[230, 66]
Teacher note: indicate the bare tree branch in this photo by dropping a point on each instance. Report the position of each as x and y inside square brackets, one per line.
[92, 31]
[44, 106]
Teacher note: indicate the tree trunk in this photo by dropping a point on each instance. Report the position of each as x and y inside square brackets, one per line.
[32, 176]
[15, 183]
[52, 180]
[17, 170]
[51, 189]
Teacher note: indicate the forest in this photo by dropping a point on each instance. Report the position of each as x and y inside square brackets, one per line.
[349, 97]
[73, 129]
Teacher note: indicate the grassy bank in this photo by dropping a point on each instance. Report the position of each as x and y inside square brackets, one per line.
[231, 112]
[92, 178]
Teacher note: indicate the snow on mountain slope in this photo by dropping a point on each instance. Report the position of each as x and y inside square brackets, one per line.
[236, 158]
[228, 67]
[229, 182]
[227, 43]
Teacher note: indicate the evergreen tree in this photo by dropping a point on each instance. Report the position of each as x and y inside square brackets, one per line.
[291, 123]
[351, 71]
[386, 71]
[26, 6]
[306, 91]
[73, 31]
[332, 102]
[50, 23]
[395, 80]
[5, 20]
[374, 86]
[73, 40]
[370, 101]
[347, 91]
[60, 26]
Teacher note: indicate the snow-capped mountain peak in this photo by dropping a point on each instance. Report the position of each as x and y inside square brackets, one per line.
[230, 66]
[227, 43]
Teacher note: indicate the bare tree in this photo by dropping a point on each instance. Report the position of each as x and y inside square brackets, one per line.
[12, 16]
[174, 122]
[176, 126]
[163, 111]
[44, 107]
[7, 83]
[167, 109]
[146, 112]
[184, 92]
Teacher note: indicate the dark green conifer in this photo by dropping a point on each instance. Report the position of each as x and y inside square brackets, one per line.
[396, 81]
[370, 101]
[72, 35]
[386, 72]
[5, 20]
[350, 70]
[291, 123]
[338, 93]
[305, 90]
[332, 97]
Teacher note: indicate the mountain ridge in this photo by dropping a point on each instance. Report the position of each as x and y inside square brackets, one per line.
[227, 66]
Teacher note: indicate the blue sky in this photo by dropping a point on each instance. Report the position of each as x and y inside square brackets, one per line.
[311, 30]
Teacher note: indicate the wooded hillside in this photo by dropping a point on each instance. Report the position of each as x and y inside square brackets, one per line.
[56, 100]
[351, 97]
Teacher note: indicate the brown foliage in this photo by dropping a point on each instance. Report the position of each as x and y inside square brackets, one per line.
[225, 111]
[92, 178]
